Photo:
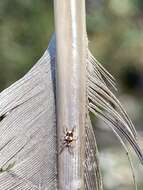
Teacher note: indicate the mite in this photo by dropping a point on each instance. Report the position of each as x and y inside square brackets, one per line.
[67, 140]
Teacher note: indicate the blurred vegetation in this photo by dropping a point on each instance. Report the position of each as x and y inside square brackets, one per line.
[116, 37]
[115, 30]
[25, 27]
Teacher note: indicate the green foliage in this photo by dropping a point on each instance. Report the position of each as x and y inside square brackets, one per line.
[116, 34]
[25, 27]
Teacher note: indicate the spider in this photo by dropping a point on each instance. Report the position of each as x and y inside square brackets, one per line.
[67, 140]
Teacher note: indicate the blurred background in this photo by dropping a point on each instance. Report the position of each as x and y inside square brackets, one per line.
[115, 30]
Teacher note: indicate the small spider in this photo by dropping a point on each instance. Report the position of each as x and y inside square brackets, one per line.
[67, 140]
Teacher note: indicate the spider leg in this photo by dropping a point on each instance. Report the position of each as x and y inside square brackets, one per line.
[70, 149]
[62, 147]
[65, 130]
[61, 139]
[73, 128]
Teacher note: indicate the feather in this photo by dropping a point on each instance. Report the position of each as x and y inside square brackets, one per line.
[128, 156]
[28, 128]
[104, 104]
[92, 178]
